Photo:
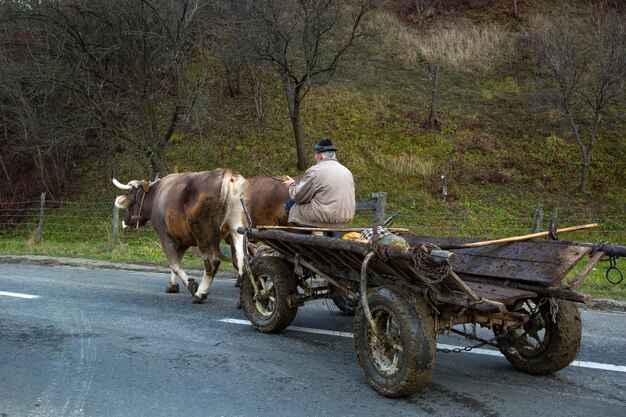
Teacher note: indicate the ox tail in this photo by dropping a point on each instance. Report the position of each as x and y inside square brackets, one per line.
[235, 188]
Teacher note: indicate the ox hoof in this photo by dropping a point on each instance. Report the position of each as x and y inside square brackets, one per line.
[238, 305]
[192, 286]
[172, 288]
[199, 299]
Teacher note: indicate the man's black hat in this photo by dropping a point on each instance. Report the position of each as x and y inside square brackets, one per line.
[324, 145]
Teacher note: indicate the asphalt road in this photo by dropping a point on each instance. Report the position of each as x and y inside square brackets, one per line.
[112, 343]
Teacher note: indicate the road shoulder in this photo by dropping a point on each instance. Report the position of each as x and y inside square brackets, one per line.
[595, 304]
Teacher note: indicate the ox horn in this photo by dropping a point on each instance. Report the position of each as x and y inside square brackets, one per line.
[121, 186]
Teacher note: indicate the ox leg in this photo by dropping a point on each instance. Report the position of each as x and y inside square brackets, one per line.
[174, 253]
[172, 286]
[238, 249]
[211, 264]
[190, 283]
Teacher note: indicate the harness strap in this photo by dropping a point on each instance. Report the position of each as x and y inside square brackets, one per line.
[141, 207]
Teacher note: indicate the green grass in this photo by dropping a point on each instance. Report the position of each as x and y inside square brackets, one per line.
[141, 246]
[141, 249]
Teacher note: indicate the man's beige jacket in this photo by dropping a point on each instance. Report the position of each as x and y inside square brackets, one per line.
[325, 196]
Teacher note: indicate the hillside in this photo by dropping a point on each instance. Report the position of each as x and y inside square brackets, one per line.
[503, 151]
[498, 135]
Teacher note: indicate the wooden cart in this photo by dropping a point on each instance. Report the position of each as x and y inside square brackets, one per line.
[407, 296]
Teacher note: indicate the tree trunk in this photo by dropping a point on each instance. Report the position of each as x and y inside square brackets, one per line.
[257, 93]
[231, 88]
[238, 79]
[8, 177]
[585, 151]
[584, 167]
[4, 168]
[105, 159]
[293, 102]
[297, 131]
[433, 98]
[45, 180]
[157, 164]
[432, 121]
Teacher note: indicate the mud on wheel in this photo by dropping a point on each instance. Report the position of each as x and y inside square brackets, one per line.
[400, 359]
[548, 342]
[269, 311]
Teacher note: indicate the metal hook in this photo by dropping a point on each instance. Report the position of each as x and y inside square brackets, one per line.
[619, 273]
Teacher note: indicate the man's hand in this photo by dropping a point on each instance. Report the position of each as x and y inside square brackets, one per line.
[287, 183]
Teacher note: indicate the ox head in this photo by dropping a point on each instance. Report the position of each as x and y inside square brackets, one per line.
[133, 202]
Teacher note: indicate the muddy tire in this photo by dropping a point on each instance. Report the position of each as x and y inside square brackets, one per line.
[270, 311]
[401, 361]
[345, 305]
[543, 345]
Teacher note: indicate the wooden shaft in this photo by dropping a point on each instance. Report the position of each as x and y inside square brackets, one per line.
[586, 269]
[327, 229]
[519, 238]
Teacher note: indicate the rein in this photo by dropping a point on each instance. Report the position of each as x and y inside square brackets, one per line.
[143, 197]
[267, 173]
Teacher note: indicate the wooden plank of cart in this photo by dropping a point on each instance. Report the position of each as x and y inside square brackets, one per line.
[404, 297]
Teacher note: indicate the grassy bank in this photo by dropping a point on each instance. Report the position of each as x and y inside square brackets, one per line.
[149, 253]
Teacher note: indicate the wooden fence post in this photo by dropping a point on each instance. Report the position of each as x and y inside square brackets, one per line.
[378, 217]
[116, 224]
[40, 225]
[538, 221]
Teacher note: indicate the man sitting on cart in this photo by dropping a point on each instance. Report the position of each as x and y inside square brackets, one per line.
[325, 196]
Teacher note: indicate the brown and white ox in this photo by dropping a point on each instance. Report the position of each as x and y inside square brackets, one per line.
[190, 209]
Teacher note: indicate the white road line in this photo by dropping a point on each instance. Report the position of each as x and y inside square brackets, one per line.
[602, 366]
[579, 364]
[17, 295]
[295, 328]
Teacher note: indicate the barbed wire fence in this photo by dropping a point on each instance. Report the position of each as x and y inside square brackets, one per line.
[41, 220]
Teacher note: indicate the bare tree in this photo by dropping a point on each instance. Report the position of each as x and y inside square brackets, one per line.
[424, 8]
[36, 124]
[587, 66]
[239, 56]
[454, 48]
[120, 65]
[305, 40]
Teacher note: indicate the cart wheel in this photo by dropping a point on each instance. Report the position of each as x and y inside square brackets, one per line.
[269, 312]
[345, 304]
[543, 345]
[400, 360]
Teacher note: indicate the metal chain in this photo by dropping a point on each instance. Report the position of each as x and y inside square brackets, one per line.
[428, 271]
[463, 310]
[491, 342]
[463, 349]
[554, 309]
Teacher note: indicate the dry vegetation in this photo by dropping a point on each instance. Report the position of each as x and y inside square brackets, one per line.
[455, 46]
